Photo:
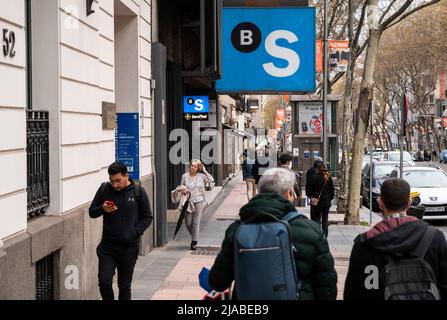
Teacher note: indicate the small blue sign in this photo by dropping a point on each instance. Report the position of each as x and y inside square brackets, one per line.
[127, 145]
[268, 50]
[196, 104]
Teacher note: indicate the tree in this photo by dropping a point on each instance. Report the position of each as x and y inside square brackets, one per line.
[271, 106]
[391, 13]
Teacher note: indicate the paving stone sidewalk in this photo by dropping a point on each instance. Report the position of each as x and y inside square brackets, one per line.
[171, 272]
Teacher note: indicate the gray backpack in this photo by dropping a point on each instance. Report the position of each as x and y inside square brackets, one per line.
[264, 259]
[411, 277]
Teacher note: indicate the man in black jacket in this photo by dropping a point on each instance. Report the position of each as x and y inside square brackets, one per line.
[125, 207]
[396, 234]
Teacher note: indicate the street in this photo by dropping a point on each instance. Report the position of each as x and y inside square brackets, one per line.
[440, 224]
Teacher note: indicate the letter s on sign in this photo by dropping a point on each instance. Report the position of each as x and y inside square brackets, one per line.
[283, 53]
[199, 105]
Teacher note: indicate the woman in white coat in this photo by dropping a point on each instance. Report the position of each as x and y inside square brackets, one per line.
[194, 181]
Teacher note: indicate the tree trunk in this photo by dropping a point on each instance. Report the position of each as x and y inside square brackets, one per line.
[346, 142]
[362, 121]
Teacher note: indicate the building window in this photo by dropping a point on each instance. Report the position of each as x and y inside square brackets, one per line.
[37, 148]
[45, 278]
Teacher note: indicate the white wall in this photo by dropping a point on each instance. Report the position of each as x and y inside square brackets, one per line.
[73, 72]
[88, 77]
[145, 102]
[13, 129]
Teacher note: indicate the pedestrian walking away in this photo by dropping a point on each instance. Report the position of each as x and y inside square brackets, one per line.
[314, 263]
[247, 172]
[321, 191]
[309, 175]
[194, 181]
[126, 211]
[401, 257]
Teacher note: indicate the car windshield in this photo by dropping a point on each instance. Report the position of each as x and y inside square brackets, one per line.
[396, 157]
[426, 179]
[382, 171]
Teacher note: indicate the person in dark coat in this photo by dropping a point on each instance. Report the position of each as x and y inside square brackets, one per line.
[396, 234]
[322, 188]
[247, 174]
[309, 175]
[314, 262]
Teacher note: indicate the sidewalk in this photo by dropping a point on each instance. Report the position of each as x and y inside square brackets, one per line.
[171, 272]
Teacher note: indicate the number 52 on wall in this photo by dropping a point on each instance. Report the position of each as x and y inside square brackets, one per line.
[9, 42]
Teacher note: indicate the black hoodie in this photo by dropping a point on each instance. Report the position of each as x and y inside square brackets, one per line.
[392, 236]
[125, 225]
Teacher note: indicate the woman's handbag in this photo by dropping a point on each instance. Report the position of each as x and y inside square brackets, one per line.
[314, 201]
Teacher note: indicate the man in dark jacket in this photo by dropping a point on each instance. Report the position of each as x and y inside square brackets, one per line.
[126, 216]
[396, 234]
[285, 161]
[314, 262]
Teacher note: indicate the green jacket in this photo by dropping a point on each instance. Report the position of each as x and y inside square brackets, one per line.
[314, 262]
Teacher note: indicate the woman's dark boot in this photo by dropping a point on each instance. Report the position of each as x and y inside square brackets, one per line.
[194, 245]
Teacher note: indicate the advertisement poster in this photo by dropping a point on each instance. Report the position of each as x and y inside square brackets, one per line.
[127, 146]
[310, 116]
[338, 55]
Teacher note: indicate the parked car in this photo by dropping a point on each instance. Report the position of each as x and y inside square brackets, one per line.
[431, 183]
[395, 156]
[381, 171]
[443, 156]
[365, 160]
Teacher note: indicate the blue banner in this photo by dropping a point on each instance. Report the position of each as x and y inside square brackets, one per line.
[127, 145]
[268, 50]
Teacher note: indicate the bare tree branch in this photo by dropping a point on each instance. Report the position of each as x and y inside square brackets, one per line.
[402, 17]
[360, 26]
[386, 11]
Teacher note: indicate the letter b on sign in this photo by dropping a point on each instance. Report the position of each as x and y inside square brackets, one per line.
[246, 37]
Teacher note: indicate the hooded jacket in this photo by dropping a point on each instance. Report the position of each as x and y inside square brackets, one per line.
[392, 236]
[127, 224]
[314, 262]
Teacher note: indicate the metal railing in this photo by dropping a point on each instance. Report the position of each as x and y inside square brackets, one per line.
[37, 149]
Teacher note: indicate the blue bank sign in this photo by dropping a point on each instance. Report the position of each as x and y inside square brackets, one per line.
[268, 50]
[196, 108]
[127, 142]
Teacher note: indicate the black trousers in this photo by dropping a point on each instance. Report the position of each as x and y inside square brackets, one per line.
[321, 216]
[122, 258]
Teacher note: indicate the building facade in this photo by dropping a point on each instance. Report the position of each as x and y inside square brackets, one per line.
[70, 65]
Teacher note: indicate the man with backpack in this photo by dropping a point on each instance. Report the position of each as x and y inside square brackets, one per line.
[401, 257]
[273, 252]
[126, 212]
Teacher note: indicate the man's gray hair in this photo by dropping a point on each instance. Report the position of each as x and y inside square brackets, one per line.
[277, 180]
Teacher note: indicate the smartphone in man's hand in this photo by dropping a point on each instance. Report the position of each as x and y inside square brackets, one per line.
[110, 206]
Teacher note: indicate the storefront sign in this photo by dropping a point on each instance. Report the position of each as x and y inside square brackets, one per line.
[268, 50]
[195, 108]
